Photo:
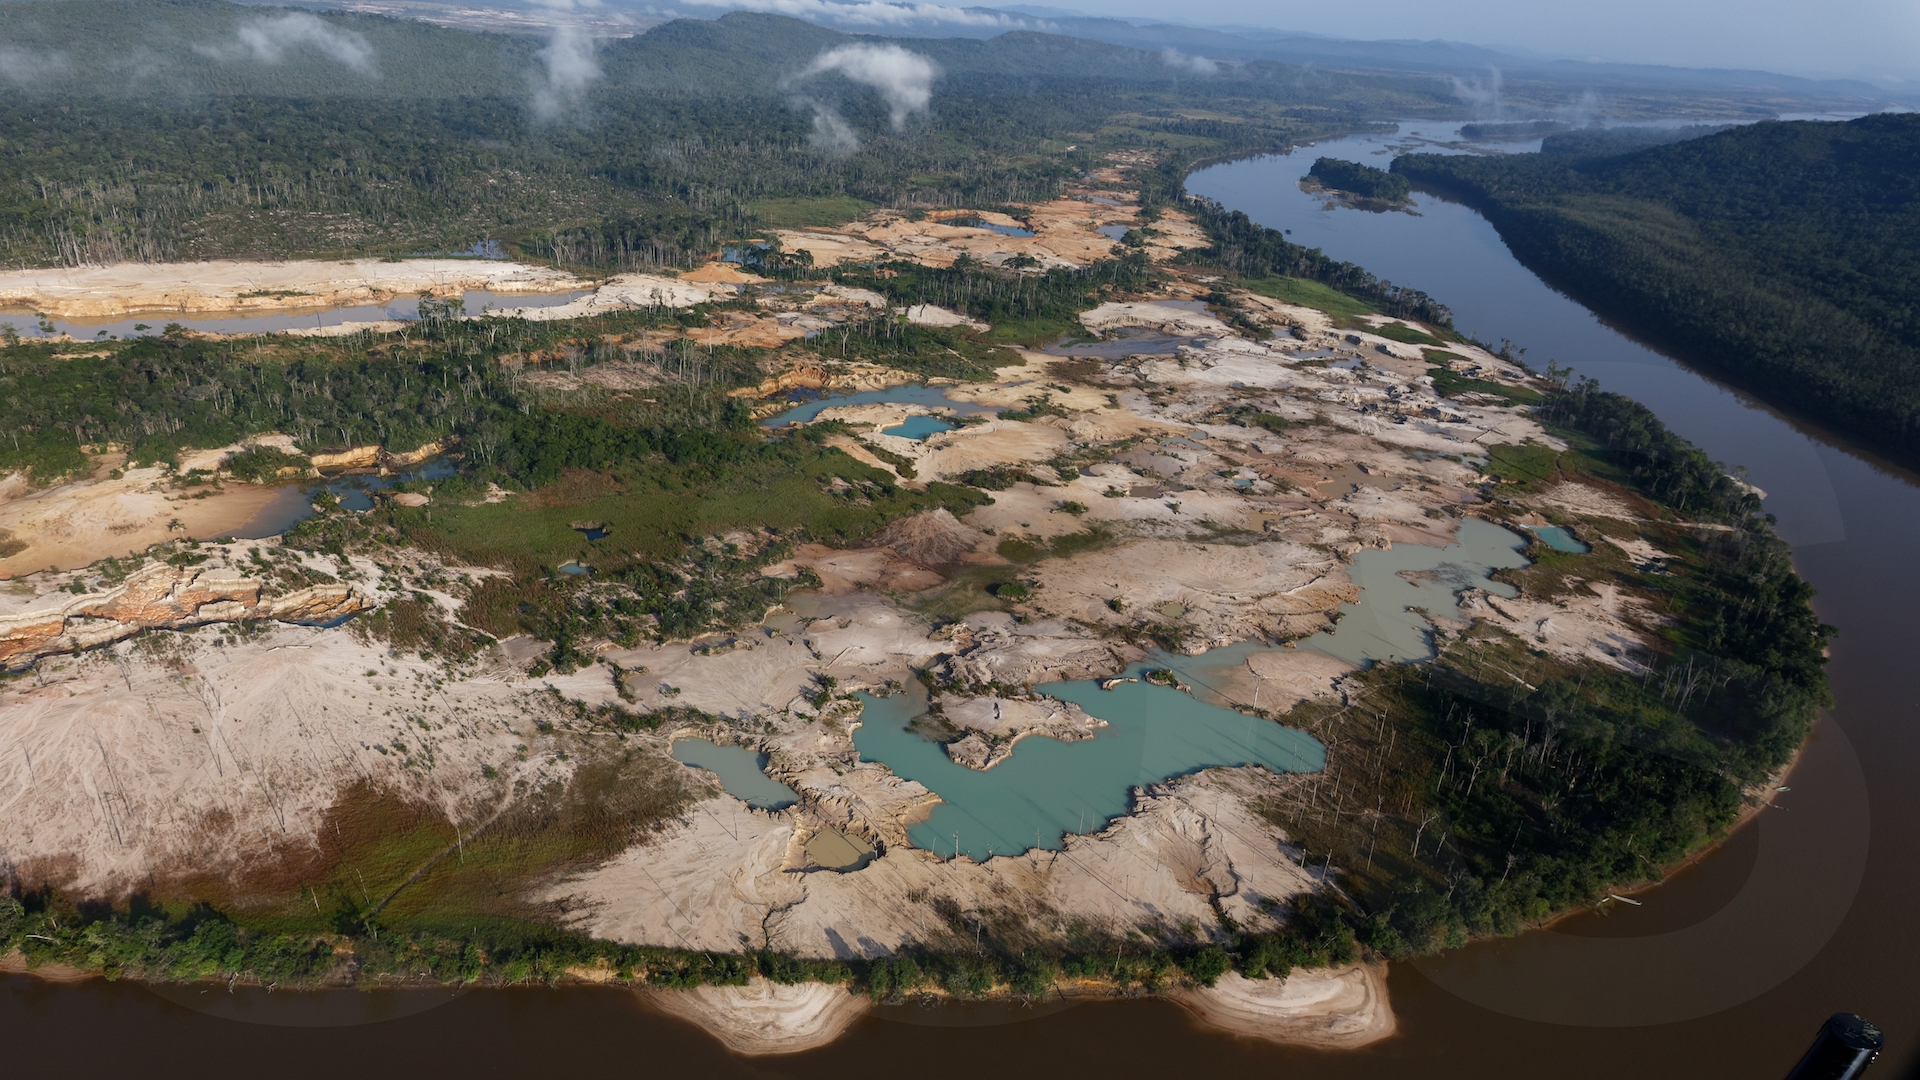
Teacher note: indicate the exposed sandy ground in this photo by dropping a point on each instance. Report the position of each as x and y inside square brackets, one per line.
[764, 1018]
[1333, 1009]
[1279, 680]
[627, 292]
[1163, 317]
[76, 524]
[729, 872]
[1588, 501]
[1224, 593]
[994, 724]
[1201, 525]
[930, 315]
[1066, 233]
[226, 286]
[1597, 621]
[215, 758]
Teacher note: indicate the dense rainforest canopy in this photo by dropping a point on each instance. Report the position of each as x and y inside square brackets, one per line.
[1787, 255]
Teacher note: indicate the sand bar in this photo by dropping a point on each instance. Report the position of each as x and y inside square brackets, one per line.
[1331, 1008]
[764, 1017]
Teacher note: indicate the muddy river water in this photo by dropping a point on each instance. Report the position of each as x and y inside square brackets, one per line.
[1725, 971]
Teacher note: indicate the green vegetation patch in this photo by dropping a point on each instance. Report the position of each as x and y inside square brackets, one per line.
[1403, 333]
[1358, 179]
[808, 212]
[1308, 294]
[1447, 382]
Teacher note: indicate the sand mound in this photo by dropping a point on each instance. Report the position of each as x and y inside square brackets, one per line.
[933, 538]
[764, 1017]
[1338, 1008]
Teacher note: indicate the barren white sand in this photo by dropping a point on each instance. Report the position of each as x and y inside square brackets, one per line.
[1333, 1008]
[229, 286]
[1596, 621]
[1220, 593]
[762, 1017]
[993, 724]
[931, 315]
[115, 767]
[1163, 317]
[728, 871]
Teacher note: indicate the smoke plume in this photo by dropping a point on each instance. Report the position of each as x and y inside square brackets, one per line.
[831, 133]
[270, 40]
[569, 66]
[904, 79]
[1484, 97]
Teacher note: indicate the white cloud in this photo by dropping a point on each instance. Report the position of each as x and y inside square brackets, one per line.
[873, 12]
[29, 69]
[904, 78]
[1179, 61]
[269, 40]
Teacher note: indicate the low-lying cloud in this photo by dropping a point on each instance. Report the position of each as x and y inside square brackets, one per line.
[875, 13]
[270, 40]
[904, 78]
[30, 69]
[1195, 65]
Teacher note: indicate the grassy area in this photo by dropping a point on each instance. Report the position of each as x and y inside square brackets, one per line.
[1404, 334]
[1522, 463]
[802, 213]
[1033, 333]
[651, 510]
[1309, 294]
[1447, 382]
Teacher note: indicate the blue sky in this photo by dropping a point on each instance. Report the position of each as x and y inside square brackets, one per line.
[1867, 39]
[1857, 38]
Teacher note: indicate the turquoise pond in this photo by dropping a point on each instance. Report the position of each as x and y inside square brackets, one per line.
[1050, 788]
[741, 772]
[1560, 539]
[930, 396]
[918, 427]
[1398, 584]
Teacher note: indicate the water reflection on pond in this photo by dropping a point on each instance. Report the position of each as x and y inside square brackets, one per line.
[742, 772]
[1402, 583]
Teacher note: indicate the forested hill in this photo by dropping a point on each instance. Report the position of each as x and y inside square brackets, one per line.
[182, 129]
[1785, 255]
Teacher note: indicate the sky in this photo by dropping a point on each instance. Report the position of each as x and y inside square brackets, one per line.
[1871, 39]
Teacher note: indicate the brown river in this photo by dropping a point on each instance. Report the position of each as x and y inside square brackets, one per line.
[1725, 971]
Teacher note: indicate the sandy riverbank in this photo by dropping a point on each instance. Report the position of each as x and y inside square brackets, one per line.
[1332, 1009]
